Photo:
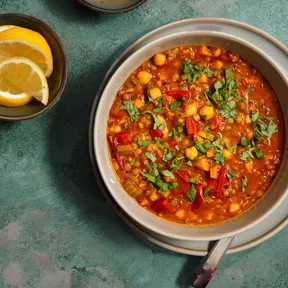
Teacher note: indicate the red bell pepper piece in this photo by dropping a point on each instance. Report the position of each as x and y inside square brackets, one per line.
[124, 137]
[222, 181]
[190, 126]
[161, 205]
[179, 94]
[182, 178]
[173, 142]
[199, 126]
[156, 133]
[114, 149]
[214, 122]
[199, 199]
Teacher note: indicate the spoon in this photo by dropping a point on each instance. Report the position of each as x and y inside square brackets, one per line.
[207, 268]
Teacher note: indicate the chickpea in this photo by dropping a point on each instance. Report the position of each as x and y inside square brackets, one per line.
[190, 109]
[230, 120]
[115, 129]
[186, 142]
[126, 96]
[259, 194]
[239, 118]
[155, 93]
[175, 77]
[138, 103]
[180, 120]
[183, 77]
[191, 153]
[135, 171]
[150, 147]
[127, 167]
[159, 59]
[234, 208]
[138, 151]
[247, 119]
[242, 106]
[134, 146]
[144, 77]
[207, 111]
[196, 117]
[137, 163]
[166, 179]
[153, 196]
[226, 193]
[209, 215]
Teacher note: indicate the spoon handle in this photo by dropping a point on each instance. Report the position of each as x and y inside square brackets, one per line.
[210, 263]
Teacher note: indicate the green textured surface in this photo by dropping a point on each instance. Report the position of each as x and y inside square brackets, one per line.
[56, 230]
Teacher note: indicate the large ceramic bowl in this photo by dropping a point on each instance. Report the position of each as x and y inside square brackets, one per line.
[266, 205]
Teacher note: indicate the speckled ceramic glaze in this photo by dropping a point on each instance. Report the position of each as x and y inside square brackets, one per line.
[275, 75]
[56, 81]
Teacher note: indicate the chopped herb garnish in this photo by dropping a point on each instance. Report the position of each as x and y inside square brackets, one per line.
[206, 192]
[216, 143]
[193, 72]
[254, 116]
[189, 163]
[150, 156]
[228, 110]
[228, 146]
[159, 144]
[173, 185]
[157, 181]
[157, 123]
[246, 156]
[176, 163]
[167, 156]
[144, 143]
[204, 117]
[175, 131]
[206, 128]
[193, 180]
[231, 173]
[131, 109]
[219, 156]
[153, 169]
[191, 195]
[199, 147]
[176, 104]
[158, 108]
[244, 141]
[244, 182]
[167, 173]
[132, 162]
[258, 153]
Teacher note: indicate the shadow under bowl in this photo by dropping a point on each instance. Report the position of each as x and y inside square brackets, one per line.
[112, 7]
[56, 81]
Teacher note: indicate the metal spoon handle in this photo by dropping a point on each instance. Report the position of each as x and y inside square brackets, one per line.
[210, 263]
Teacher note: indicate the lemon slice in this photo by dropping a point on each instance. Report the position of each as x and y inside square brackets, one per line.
[9, 100]
[6, 27]
[22, 42]
[21, 76]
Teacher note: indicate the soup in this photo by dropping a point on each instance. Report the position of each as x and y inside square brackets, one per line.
[195, 135]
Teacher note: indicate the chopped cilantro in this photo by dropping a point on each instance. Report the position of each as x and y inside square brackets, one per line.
[167, 173]
[158, 108]
[157, 123]
[150, 156]
[176, 163]
[149, 177]
[153, 169]
[228, 110]
[206, 192]
[191, 195]
[175, 131]
[254, 116]
[262, 128]
[228, 146]
[132, 162]
[206, 128]
[131, 109]
[216, 143]
[189, 163]
[193, 180]
[144, 143]
[219, 157]
[173, 185]
[246, 156]
[193, 72]
[159, 144]
[258, 153]
[199, 147]
[167, 156]
[244, 182]
[176, 104]
[231, 173]
[244, 141]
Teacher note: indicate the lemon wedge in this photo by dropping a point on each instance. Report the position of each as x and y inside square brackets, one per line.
[20, 78]
[6, 27]
[22, 42]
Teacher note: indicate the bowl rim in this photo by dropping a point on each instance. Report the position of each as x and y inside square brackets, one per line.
[100, 166]
[65, 65]
[111, 11]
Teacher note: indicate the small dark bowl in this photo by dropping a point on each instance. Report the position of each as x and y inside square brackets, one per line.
[111, 11]
[56, 81]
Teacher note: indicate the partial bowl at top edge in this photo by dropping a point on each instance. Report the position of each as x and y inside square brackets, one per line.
[56, 81]
[110, 8]
[247, 51]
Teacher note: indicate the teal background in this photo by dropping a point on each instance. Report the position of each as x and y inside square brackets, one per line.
[56, 229]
